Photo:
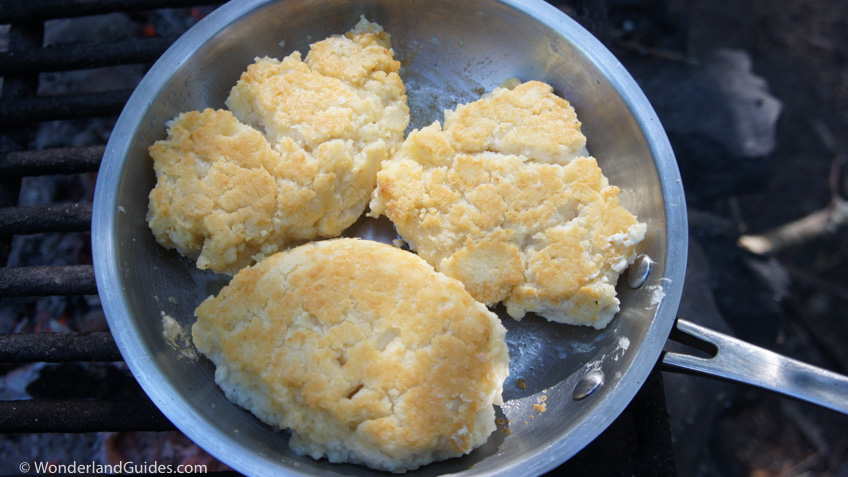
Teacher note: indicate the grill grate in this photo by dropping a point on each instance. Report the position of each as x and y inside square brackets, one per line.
[639, 442]
[16, 11]
[58, 347]
[65, 415]
[24, 108]
[83, 56]
[85, 105]
[69, 160]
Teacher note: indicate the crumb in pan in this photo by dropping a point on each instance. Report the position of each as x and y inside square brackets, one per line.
[177, 337]
[506, 199]
[364, 351]
[294, 158]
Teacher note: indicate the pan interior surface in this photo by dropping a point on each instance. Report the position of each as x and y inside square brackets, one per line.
[450, 52]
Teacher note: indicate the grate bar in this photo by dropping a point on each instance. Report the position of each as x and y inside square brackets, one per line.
[48, 281]
[81, 416]
[35, 219]
[16, 111]
[77, 57]
[64, 160]
[58, 347]
[15, 11]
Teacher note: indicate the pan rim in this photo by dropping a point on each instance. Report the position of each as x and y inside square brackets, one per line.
[165, 395]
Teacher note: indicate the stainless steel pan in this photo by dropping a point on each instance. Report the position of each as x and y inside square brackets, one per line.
[450, 52]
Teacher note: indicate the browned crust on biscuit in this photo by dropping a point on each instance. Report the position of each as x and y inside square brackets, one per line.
[362, 349]
[295, 160]
[541, 235]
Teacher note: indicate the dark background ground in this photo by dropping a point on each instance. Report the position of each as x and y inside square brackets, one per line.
[739, 181]
[754, 96]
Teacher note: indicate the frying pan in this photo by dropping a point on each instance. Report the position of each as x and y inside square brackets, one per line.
[450, 52]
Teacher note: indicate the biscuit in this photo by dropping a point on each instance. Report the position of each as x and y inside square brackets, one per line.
[362, 350]
[295, 158]
[505, 199]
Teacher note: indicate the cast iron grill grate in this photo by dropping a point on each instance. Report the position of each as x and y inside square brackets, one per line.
[639, 442]
[25, 107]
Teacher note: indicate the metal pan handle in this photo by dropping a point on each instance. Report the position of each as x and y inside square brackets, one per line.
[745, 363]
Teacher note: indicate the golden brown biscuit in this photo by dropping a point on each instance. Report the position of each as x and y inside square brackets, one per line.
[364, 351]
[295, 160]
[347, 89]
[527, 120]
[502, 200]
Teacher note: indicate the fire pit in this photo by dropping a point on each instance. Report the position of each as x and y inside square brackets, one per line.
[64, 391]
[52, 335]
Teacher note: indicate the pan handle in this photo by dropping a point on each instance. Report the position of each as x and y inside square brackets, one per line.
[742, 362]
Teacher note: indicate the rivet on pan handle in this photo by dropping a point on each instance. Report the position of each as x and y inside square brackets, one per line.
[745, 363]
